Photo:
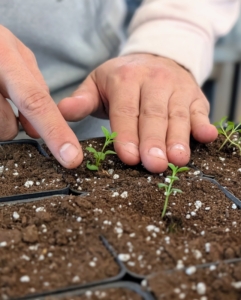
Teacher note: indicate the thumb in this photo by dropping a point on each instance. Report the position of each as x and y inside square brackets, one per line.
[86, 100]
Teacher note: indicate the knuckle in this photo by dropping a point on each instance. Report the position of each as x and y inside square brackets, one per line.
[129, 111]
[34, 102]
[155, 112]
[179, 113]
[124, 72]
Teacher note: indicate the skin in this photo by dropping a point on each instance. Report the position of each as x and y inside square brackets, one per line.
[152, 102]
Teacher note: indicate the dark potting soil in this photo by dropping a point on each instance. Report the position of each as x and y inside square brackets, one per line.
[24, 170]
[124, 204]
[45, 245]
[219, 282]
[223, 164]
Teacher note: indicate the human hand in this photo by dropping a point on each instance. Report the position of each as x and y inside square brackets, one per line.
[22, 82]
[153, 104]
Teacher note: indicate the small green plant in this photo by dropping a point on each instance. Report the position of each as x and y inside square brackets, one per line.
[168, 187]
[228, 129]
[100, 156]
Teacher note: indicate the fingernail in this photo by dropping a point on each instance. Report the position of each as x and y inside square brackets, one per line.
[178, 147]
[68, 152]
[132, 148]
[157, 152]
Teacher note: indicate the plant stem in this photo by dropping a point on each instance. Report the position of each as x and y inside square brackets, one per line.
[168, 193]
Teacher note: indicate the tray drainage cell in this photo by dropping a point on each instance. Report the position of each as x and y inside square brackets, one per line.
[27, 171]
[46, 247]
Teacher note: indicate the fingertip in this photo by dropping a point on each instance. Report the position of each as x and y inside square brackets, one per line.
[178, 154]
[155, 160]
[128, 152]
[205, 133]
[70, 155]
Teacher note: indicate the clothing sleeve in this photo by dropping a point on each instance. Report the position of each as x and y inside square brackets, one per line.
[182, 30]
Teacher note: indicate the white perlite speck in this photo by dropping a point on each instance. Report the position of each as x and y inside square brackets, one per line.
[92, 264]
[188, 216]
[76, 279]
[110, 171]
[115, 194]
[3, 244]
[198, 204]
[116, 176]
[222, 158]
[191, 270]
[196, 173]
[15, 215]
[234, 206]
[197, 254]
[207, 247]
[24, 278]
[124, 194]
[236, 285]
[28, 183]
[124, 256]
[201, 288]
[41, 208]
[168, 180]
[152, 228]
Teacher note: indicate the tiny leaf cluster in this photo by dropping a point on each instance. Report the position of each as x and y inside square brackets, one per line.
[168, 187]
[99, 156]
[228, 129]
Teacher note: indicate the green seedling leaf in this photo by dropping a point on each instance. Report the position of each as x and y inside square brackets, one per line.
[228, 129]
[110, 152]
[162, 185]
[168, 187]
[106, 132]
[113, 135]
[100, 156]
[177, 190]
[92, 167]
[182, 169]
[90, 149]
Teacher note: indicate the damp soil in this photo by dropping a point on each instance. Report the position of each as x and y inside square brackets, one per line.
[123, 204]
[219, 282]
[24, 170]
[45, 245]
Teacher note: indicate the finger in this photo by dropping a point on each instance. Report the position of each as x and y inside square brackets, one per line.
[153, 124]
[8, 121]
[178, 133]
[31, 63]
[124, 114]
[39, 109]
[202, 130]
[84, 101]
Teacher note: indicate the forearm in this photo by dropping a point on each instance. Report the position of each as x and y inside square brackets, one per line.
[184, 31]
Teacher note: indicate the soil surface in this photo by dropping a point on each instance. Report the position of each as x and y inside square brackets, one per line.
[219, 282]
[45, 245]
[123, 204]
[24, 170]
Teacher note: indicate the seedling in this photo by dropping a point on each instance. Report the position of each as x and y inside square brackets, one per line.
[228, 129]
[168, 187]
[100, 156]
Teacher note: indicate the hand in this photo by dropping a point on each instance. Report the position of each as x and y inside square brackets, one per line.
[22, 82]
[153, 104]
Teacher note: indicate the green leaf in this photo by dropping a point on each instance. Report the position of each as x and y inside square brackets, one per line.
[105, 131]
[229, 128]
[161, 185]
[113, 135]
[182, 169]
[92, 167]
[97, 155]
[90, 149]
[171, 166]
[110, 152]
[102, 156]
[176, 190]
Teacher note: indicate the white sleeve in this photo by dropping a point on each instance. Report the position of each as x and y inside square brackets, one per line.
[182, 30]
